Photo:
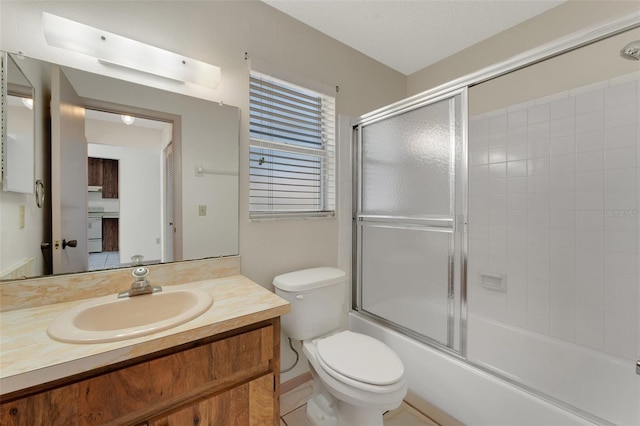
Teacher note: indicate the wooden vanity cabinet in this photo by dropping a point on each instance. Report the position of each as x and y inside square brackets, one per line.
[228, 379]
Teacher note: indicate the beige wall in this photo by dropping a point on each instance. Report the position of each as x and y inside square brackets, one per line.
[568, 18]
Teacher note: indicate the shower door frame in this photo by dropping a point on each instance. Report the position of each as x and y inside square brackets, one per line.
[549, 50]
[457, 228]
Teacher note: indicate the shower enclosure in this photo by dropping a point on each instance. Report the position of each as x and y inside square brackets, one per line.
[411, 217]
[496, 222]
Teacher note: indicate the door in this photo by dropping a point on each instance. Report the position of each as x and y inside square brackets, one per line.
[410, 219]
[168, 222]
[68, 177]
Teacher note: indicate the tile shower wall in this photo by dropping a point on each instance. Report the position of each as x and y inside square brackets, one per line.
[553, 209]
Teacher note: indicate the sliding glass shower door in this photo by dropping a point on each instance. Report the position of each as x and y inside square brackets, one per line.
[410, 218]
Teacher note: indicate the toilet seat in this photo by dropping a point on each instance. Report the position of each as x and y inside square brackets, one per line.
[360, 361]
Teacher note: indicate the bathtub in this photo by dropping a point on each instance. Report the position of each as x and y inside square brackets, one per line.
[474, 396]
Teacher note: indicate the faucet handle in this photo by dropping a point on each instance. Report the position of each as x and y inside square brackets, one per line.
[140, 273]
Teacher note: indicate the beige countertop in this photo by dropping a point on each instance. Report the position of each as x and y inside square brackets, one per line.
[29, 357]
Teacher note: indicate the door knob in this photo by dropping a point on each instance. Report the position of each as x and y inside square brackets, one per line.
[72, 243]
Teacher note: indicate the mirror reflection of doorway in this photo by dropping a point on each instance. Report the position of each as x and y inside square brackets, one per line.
[128, 191]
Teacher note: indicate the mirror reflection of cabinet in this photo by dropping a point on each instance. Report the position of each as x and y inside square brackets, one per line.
[104, 172]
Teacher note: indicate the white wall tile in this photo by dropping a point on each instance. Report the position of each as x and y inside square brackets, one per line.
[561, 182]
[620, 199]
[564, 219]
[498, 124]
[620, 94]
[589, 219]
[479, 157]
[562, 126]
[589, 102]
[562, 108]
[620, 294]
[620, 179]
[563, 239]
[517, 201]
[590, 181]
[516, 119]
[537, 132]
[517, 151]
[562, 164]
[619, 262]
[538, 183]
[590, 239]
[538, 114]
[516, 185]
[517, 168]
[498, 155]
[517, 135]
[538, 166]
[539, 148]
[562, 201]
[591, 160]
[620, 158]
[589, 200]
[498, 139]
[620, 136]
[590, 141]
[562, 145]
[590, 121]
[498, 170]
[560, 214]
[620, 241]
[619, 335]
[622, 115]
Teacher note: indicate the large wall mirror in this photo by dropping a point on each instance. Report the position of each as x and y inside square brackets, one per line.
[18, 150]
[131, 174]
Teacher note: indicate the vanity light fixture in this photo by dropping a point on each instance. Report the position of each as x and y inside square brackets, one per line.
[127, 119]
[113, 49]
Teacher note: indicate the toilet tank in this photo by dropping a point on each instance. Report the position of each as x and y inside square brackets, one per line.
[317, 298]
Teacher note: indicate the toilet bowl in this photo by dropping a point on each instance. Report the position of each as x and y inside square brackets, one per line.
[356, 378]
[363, 377]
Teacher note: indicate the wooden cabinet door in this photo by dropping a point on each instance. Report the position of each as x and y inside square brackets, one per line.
[95, 171]
[109, 178]
[251, 404]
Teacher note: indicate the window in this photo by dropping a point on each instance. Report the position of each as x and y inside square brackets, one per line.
[292, 151]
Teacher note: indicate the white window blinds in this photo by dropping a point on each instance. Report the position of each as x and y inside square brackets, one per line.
[292, 152]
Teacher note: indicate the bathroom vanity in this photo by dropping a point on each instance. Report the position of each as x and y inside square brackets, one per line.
[219, 368]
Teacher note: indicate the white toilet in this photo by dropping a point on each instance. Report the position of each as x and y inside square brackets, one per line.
[356, 378]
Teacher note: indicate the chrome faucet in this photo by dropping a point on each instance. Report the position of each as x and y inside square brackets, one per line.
[141, 284]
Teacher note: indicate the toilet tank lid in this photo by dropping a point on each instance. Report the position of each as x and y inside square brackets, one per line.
[308, 279]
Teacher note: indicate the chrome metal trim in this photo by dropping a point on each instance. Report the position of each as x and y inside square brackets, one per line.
[408, 226]
[441, 346]
[431, 221]
[463, 225]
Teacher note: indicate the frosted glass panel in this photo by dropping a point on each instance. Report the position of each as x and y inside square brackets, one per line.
[406, 163]
[406, 274]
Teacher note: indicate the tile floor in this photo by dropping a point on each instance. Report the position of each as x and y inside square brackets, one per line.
[293, 411]
[104, 260]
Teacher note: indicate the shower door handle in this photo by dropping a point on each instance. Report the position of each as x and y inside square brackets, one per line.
[638, 367]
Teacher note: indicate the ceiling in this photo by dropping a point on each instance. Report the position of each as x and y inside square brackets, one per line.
[408, 35]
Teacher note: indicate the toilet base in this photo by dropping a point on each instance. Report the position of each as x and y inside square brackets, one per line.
[324, 409]
[353, 415]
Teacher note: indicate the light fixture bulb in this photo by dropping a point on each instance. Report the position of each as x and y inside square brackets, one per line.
[127, 119]
[28, 102]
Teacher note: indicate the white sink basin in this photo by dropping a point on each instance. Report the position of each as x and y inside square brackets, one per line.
[107, 319]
